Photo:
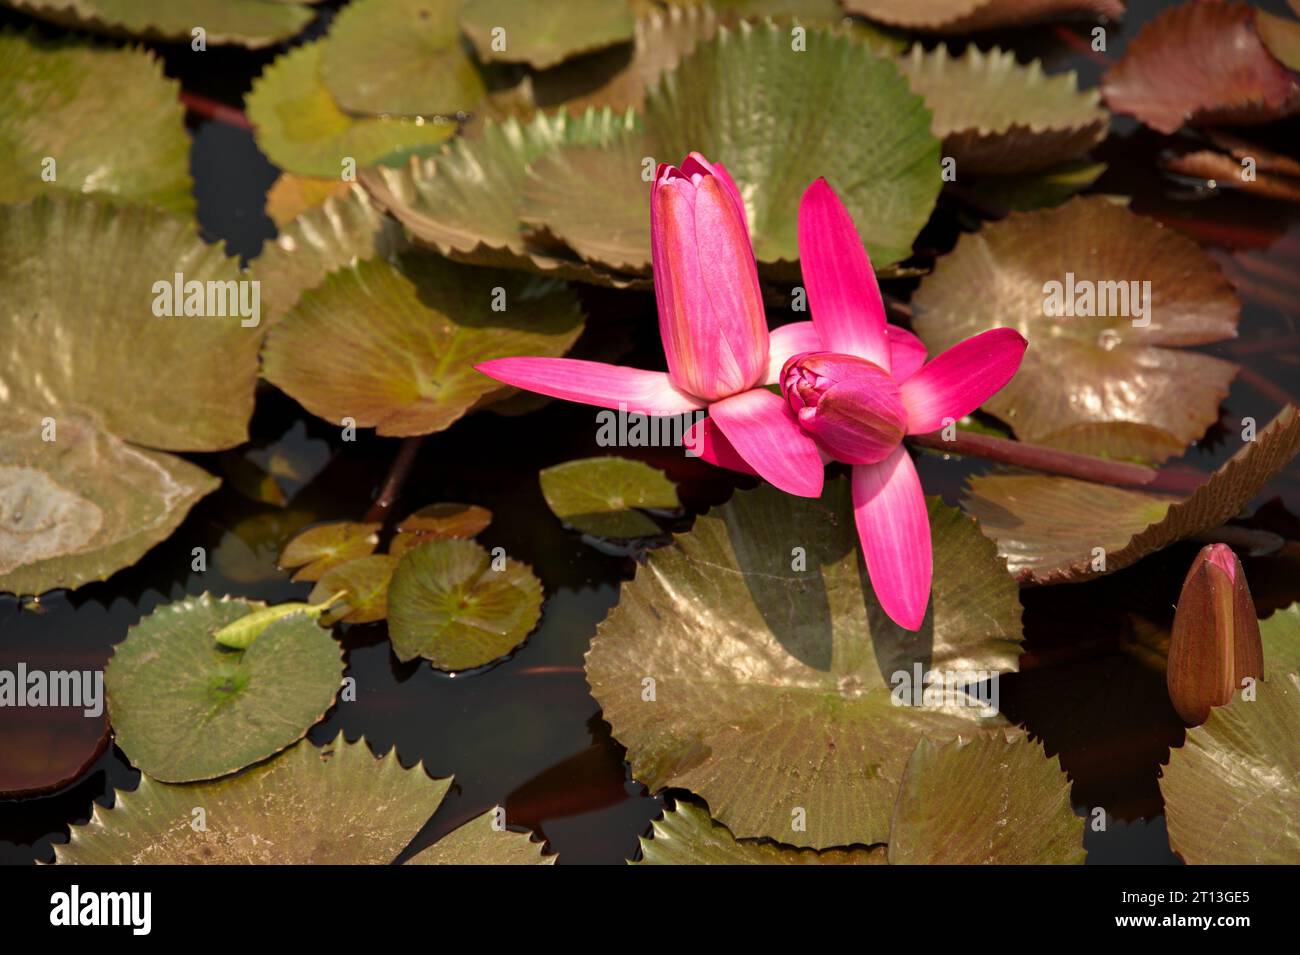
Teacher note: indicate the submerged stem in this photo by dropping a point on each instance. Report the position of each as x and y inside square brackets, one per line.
[393, 481]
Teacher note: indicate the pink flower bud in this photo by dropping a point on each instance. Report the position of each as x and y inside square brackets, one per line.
[850, 405]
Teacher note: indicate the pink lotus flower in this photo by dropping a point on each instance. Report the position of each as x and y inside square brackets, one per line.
[853, 386]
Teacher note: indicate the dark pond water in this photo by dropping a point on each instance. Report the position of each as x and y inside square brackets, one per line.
[526, 733]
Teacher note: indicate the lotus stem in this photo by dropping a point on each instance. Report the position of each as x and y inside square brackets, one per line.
[393, 481]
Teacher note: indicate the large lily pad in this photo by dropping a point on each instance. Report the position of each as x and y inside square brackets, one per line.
[968, 16]
[1082, 371]
[1047, 527]
[987, 801]
[1281, 638]
[109, 119]
[301, 129]
[251, 23]
[1201, 63]
[331, 805]
[409, 367]
[449, 604]
[400, 58]
[1232, 792]
[997, 117]
[185, 708]
[749, 662]
[606, 496]
[479, 842]
[777, 118]
[544, 34]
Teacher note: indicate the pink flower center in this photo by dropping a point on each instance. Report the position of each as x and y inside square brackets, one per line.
[850, 405]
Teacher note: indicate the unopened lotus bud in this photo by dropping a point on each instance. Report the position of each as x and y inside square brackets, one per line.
[849, 404]
[1215, 643]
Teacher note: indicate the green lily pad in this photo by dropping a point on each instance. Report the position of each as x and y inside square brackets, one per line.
[449, 604]
[400, 58]
[464, 201]
[109, 119]
[996, 116]
[77, 509]
[968, 16]
[544, 34]
[364, 584]
[1232, 792]
[777, 118]
[987, 801]
[332, 805]
[605, 496]
[1281, 637]
[301, 129]
[409, 367]
[184, 708]
[1047, 527]
[1039, 190]
[1086, 370]
[478, 843]
[750, 663]
[319, 548]
[250, 23]
[686, 835]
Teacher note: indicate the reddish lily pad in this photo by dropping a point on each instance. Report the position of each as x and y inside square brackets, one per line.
[968, 16]
[320, 548]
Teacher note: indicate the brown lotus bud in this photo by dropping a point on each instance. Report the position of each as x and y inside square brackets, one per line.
[1215, 642]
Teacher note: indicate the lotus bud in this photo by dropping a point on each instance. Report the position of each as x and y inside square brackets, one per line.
[1215, 643]
[849, 404]
[711, 315]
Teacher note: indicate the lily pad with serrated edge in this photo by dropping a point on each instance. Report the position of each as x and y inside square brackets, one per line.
[319, 548]
[109, 121]
[185, 708]
[449, 605]
[544, 34]
[997, 116]
[464, 201]
[408, 369]
[1088, 371]
[1047, 527]
[777, 119]
[772, 685]
[968, 16]
[301, 129]
[364, 585]
[990, 800]
[250, 23]
[1202, 63]
[478, 842]
[400, 58]
[1232, 791]
[605, 496]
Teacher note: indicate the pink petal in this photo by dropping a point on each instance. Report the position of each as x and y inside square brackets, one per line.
[788, 341]
[961, 379]
[704, 440]
[906, 353]
[696, 163]
[894, 528]
[594, 383]
[842, 291]
[763, 430]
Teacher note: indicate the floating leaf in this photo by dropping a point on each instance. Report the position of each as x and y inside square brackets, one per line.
[449, 604]
[409, 367]
[459, 521]
[1281, 635]
[1103, 369]
[1281, 36]
[250, 23]
[1232, 792]
[605, 496]
[777, 119]
[109, 121]
[1047, 528]
[364, 585]
[1225, 172]
[301, 129]
[968, 16]
[478, 842]
[400, 58]
[1049, 187]
[544, 34]
[291, 195]
[987, 801]
[319, 548]
[334, 805]
[185, 708]
[772, 685]
[996, 116]
[685, 835]
[1201, 63]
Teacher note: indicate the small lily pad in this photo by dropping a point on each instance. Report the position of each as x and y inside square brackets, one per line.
[450, 604]
[478, 842]
[408, 369]
[544, 34]
[453, 521]
[250, 23]
[1232, 792]
[968, 16]
[319, 548]
[184, 708]
[605, 496]
[364, 585]
[291, 195]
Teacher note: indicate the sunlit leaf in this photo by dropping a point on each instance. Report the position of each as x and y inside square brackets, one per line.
[461, 521]
[750, 663]
[364, 585]
[319, 548]
[478, 842]
[606, 496]
[968, 16]
[251, 23]
[544, 34]
[1281, 637]
[291, 195]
